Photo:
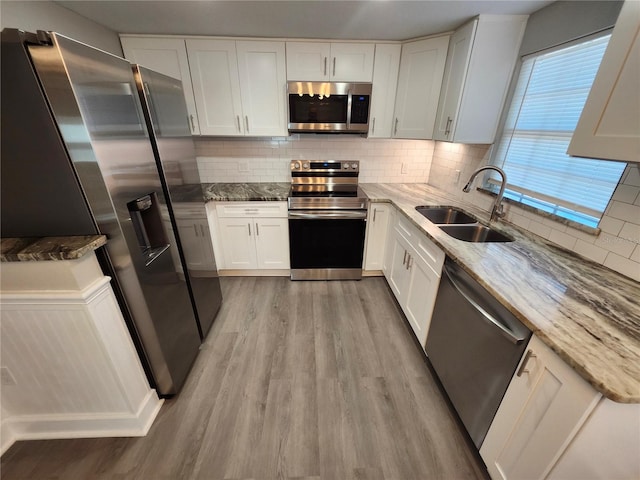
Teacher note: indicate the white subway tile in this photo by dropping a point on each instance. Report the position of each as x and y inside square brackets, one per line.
[623, 265]
[615, 244]
[610, 225]
[539, 229]
[626, 193]
[590, 251]
[631, 175]
[562, 239]
[624, 211]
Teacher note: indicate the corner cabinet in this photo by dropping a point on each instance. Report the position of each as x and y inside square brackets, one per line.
[323, 61]
[413, 273]
[609, 126]
[419, 81]
[545, 405]
[253, 235]
[239, 86]
[480, 62]
[385, 83]
[169, 57]
[377, 226]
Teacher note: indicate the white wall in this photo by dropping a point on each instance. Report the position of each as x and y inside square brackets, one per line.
[45, 15]
[267, 160]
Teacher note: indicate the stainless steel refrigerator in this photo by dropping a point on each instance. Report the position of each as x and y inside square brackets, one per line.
[167, 122]
[77, 159]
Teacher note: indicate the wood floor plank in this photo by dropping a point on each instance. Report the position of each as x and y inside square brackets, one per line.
[295, 381]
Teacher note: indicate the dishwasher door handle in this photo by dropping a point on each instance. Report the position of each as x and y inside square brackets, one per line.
[508, 334]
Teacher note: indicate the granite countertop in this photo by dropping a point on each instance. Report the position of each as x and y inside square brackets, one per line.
[238, 192]
[49, 248]
[589, 315]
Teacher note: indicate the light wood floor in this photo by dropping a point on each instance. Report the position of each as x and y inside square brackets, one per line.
[297, 380]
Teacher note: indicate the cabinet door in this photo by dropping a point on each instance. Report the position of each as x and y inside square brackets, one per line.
[542, 410]
[238, 243]
[262, 71]
[385, 82]
[377, 226]
[398, 276]
[419, 81]
[272, 243]
[169, 57]
[351, 62]
[609, 126]
[422, 288]
[452, 83]
[196, 244]
[308, 61]
[216, 86]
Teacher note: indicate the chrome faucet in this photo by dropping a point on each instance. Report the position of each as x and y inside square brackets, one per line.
[497, 211]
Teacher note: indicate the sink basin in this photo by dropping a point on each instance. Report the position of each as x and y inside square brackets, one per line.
[474, 233]
[445, 215]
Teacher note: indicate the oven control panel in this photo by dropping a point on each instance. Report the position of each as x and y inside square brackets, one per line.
[325, 166]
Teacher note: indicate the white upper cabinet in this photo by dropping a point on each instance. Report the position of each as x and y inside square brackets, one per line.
[419, 81]
[261, 66]
[169, 57]
[482, 56]
[609, 126]
[322, 61]
[239, 87]
[385, 82]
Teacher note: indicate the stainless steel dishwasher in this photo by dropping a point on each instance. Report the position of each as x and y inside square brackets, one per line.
[474, 345]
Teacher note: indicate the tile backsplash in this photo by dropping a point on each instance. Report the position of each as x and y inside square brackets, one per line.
[617, 246]
[267, 160]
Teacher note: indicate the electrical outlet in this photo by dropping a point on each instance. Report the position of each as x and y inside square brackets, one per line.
[456, 177]
[6, 377]
[243, 167]
[404, 168]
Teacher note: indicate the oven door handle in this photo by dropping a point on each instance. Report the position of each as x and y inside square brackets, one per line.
[329, 215]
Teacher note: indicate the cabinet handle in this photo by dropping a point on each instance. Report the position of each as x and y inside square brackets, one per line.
[249, 225]
[246, 121]
[395, 130]
[238, 120]
[325, 66]
[409, 262]
[529, 355]
[447, 129]
[373, 125]
[374, 214]
[334, 66]
[257, 231]
[193, 125]
[195, 229]
[404, 259]
[202, 230]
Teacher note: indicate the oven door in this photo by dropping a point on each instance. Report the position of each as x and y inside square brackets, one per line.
[326, 245]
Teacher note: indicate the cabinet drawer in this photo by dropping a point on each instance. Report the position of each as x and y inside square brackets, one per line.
[428, 251]
[251, 209]
[189, 210]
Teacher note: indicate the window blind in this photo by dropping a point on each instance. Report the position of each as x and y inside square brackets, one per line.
[548, 98]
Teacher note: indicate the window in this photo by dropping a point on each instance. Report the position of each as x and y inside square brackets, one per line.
[549, 96]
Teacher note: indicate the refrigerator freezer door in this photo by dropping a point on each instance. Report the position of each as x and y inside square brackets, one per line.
[167, 119]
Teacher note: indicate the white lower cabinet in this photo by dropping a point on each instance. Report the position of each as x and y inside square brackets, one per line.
[544, 407]
[377, 226]
[196, 243]
[253, 237]
[413, 273]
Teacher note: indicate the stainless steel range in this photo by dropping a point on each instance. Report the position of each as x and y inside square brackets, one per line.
[327, 220]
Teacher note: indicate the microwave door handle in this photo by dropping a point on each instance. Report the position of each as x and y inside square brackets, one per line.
[349, 103]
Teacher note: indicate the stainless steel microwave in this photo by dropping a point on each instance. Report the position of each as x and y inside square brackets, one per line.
[329, 107]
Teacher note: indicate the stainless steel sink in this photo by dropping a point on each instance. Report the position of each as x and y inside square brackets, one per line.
[475, 233]
[445, 215]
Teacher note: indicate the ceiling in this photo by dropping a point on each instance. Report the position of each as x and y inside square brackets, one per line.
[334, 19]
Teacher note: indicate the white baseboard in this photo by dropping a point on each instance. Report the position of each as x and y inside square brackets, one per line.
[254, 273]
[85, 425]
